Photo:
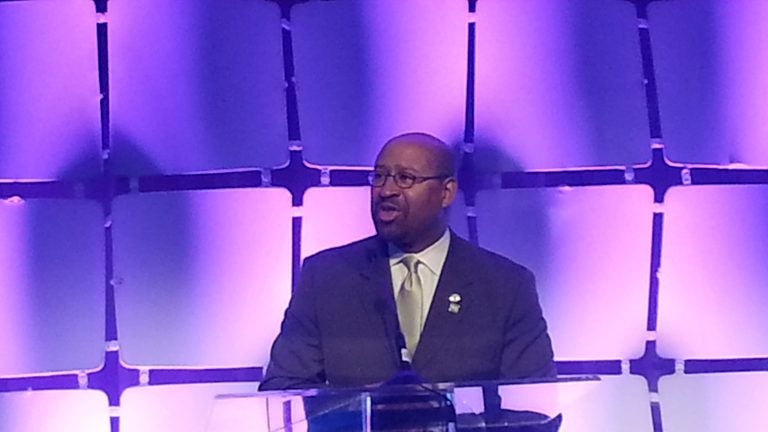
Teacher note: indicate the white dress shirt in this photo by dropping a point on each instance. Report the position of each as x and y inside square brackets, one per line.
[432, 259]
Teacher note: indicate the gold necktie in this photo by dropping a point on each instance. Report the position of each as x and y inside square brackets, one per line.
[409, 304]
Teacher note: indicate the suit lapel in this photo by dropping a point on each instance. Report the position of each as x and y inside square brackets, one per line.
[376, 295]
[442, 324]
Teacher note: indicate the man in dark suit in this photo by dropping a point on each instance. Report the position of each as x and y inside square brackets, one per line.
[414, 296]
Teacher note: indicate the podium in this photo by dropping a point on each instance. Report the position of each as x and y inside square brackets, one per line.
[508, 406]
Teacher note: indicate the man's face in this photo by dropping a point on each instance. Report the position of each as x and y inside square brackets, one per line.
[410, 218]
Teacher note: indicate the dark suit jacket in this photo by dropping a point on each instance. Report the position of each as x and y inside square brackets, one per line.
[341, 324]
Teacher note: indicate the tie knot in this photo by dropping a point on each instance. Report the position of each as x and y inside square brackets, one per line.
[410, 262]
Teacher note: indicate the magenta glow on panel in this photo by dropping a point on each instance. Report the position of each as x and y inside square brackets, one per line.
[152, 96]
[204, 275]
[744, 59]
[715, 402]
[419, 55]
[13, 307]
[559, 85]
[152, 282]
[196, 85]
[522, 90]
[241, 265]
[188, 408]
[57, 283]
[615, 403]
[597, 289]
[710, 61]
[590, 251]
[49, 95]
[54, 410]
[333, 217]
[367, 71]
[712, 296]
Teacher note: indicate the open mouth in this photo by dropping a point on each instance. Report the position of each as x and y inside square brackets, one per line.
[387, 212]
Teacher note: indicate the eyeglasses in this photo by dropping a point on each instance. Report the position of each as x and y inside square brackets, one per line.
[402, 180]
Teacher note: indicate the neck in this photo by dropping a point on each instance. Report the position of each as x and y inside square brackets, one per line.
[423, 243]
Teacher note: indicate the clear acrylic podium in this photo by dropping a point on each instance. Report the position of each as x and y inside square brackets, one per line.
[526, 405]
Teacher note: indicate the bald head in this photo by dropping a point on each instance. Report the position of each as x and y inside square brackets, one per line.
[441, 153]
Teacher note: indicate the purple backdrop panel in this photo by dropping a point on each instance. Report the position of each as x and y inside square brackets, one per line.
[711, 58]
[51, 285]
[54, 410]
[49, 90]
[202, 277]
[613, 404]
[715, 402]
[712, 296]
[559, 84]
[340, 215]
[14, 309]
[196, 85]
[369, 70]
[335, 216]
[617, 403]
[187, 408]
[590, 251]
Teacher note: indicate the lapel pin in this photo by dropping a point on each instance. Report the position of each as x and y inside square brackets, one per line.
[454, 303]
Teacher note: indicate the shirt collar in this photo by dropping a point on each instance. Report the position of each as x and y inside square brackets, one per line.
[433, 257]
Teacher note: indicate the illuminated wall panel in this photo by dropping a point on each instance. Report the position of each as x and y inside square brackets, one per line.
[335, 216]
[713, 89]
[49, 90]
[196, 85]
[390, 66]
[14, 309]
[559, 84]
[715, 402]
[589, 249]
[52, 285]
[187, 408]
[714, 272]
[202, 277]
[57, 410]
[611, 404]
[615, 404]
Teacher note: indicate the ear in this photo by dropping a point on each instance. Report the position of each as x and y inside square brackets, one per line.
[450, 188]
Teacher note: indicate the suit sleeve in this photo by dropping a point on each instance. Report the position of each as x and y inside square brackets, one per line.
[296, 360]
[527, 351]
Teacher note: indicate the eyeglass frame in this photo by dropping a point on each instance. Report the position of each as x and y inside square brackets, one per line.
[414, 179]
